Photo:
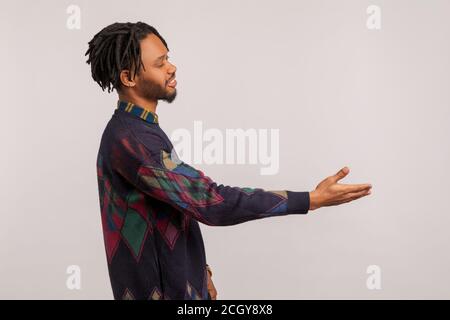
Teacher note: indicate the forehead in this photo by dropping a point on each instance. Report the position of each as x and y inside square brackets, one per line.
[152, 48]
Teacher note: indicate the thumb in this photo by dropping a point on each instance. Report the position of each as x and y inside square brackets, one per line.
[341, 174]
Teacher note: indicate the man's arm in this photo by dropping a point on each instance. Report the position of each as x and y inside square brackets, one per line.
[149, 167]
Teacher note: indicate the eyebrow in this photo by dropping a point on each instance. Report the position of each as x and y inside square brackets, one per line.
[159, 58]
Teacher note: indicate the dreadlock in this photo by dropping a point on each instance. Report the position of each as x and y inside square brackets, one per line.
[115, 48]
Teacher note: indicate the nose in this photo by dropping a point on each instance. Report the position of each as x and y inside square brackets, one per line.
[173, 68]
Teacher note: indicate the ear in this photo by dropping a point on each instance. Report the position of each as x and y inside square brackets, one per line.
[125, 79]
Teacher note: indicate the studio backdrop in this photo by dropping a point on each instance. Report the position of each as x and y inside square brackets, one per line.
[311, 86]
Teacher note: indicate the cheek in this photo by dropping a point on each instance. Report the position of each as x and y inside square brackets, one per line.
[162, 79]
[155, 77]
[158, 76]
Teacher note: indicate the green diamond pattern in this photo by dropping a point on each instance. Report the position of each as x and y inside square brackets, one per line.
[134, 230]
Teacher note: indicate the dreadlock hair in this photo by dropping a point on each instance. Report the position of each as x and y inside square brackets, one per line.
[115, 48]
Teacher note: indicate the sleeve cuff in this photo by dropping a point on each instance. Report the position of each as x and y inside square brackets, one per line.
[298, 202]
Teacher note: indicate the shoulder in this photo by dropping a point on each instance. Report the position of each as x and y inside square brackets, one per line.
[137, 131]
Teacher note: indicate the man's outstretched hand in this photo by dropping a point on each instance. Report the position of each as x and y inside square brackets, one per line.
[330, 193]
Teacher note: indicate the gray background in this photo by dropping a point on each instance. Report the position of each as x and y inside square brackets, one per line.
[341, 94]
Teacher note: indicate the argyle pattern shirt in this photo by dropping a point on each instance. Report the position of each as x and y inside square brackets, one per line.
[151, 204]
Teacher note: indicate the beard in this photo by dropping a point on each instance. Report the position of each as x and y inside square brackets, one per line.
[154, 91]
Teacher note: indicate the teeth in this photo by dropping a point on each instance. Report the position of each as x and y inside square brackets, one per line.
[173, 81]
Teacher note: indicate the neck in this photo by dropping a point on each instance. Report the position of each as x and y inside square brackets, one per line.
[149, 105]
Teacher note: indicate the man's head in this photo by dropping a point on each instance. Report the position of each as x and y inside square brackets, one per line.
[132, 58]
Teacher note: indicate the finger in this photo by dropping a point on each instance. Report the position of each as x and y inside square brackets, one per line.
[349, 188]
[213, 293]
[355, 195]
[341, 174]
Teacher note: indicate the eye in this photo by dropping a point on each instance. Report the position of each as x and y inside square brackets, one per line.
[162, 64]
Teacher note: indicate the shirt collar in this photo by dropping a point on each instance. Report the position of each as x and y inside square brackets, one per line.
[138, 111]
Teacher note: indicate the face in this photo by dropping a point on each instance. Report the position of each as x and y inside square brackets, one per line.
[155, 82]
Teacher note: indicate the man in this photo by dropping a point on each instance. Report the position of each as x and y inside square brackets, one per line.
[150, 200]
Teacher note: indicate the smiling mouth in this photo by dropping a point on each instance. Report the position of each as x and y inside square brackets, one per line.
[172, 83]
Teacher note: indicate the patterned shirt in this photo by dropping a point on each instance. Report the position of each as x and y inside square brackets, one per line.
[151, 204]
